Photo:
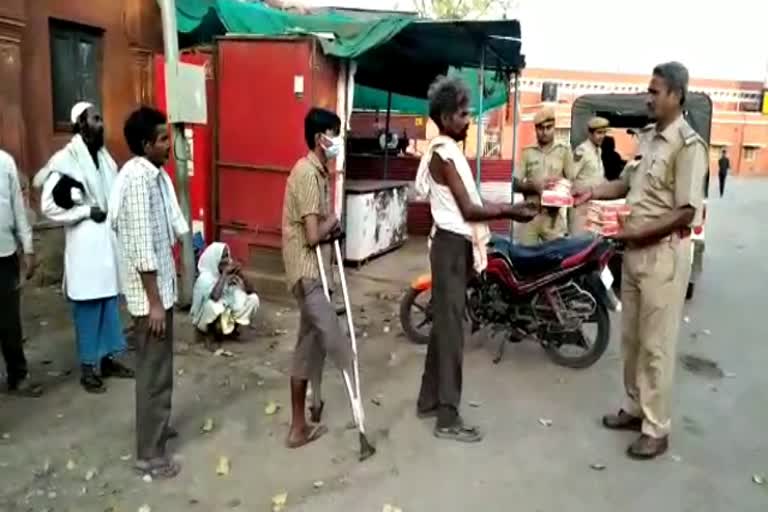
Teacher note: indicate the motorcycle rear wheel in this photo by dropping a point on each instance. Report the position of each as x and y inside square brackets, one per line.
[596, 350]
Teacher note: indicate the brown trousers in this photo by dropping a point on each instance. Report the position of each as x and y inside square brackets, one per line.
[154, 387]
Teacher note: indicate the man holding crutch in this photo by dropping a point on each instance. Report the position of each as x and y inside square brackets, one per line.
[308, 220]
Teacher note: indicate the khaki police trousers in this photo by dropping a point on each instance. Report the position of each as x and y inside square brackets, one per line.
[545, 227]
[654, 280]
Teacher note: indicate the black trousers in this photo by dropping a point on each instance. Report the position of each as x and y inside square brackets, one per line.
[154, 387]
[451, 260]
[10, 321]
[722, 176]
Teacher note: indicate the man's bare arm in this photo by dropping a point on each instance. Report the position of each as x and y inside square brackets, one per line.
[608, 190]
[315, 230]
[445, 171]
[527, 187]
[149, 281]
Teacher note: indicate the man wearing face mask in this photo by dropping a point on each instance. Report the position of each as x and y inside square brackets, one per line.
[308, 219]
[76, 184]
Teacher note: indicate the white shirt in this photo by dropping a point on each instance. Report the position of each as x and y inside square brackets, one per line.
[90, 256]
[14, 225]
[445, 211]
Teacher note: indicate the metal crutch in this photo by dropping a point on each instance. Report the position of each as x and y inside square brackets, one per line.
[355, 400]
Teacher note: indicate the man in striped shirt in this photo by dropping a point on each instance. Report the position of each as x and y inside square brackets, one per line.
[146, 232]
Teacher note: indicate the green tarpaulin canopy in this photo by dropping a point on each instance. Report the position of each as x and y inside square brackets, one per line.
[396, 53]
[496, 95]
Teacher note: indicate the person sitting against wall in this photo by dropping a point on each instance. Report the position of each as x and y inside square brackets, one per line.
[223, 299]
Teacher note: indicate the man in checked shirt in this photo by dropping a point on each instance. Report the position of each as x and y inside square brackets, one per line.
[144, 210]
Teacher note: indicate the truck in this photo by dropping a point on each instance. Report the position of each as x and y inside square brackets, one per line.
[629, 112]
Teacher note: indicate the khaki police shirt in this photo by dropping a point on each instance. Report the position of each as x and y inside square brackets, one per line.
[537, 163]
[306, 193]
[588, 165]
[667, 173]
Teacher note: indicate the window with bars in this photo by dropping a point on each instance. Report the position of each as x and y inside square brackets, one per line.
[750, 153]
[76, 52]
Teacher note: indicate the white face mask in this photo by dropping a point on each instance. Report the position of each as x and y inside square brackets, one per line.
[334, 149]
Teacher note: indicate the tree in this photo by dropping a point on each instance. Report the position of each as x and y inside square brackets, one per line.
[462, 9]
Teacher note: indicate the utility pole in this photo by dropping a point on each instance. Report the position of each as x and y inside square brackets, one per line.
[181, 154]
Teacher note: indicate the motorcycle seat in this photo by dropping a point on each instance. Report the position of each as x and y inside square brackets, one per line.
[542, 258]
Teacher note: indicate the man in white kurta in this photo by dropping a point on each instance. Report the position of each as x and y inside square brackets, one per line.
[76, 186]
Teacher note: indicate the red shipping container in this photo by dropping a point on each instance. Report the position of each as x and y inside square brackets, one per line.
[265, 87]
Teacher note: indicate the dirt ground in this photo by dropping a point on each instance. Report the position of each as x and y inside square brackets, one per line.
[71, 451]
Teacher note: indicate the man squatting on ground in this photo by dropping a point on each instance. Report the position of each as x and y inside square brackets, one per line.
[664, 186]
[458, 247]
[76, 183]
[308, 220]
[148, 220]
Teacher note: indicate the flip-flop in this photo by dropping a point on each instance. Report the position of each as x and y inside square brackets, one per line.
[460, 433]
[160, 469]
[316, 413]
[315, 433]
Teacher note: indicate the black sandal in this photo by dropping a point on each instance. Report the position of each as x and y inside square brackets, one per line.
[460, 433]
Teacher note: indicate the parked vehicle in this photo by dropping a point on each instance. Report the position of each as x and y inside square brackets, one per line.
[549, 293]
[629, 111]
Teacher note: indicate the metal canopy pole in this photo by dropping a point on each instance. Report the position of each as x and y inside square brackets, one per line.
[516, 107]
[480, 118]
[180, 151]
[386, 135]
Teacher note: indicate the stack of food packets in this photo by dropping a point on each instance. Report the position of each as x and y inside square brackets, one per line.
[603, 216]
[558, 194]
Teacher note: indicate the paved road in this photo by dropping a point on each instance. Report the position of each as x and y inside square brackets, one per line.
[719, 423]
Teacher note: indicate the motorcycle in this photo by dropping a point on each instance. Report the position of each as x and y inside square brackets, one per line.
[549, 293]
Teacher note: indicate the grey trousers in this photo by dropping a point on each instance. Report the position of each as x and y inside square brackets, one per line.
[154, 387]
[319, 333]
[451, 260]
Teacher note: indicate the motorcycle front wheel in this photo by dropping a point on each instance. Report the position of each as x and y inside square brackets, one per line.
[416, 315]
[590, 350]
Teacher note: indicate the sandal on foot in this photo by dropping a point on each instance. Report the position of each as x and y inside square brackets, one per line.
[312, 434]
[25, 389]
[460, 433]
[426, 413]
[316, 413]
[162, 469]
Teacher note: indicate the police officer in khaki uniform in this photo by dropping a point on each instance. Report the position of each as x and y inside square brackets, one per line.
[664, 186]
[544, 161]
[588, 169]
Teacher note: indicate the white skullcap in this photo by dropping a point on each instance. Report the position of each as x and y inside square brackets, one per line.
[78, 110]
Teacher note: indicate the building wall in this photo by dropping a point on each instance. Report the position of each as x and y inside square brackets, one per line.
[131, 31]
